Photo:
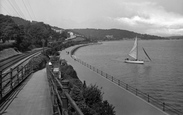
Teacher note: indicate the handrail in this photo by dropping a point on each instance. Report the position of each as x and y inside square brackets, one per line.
[12, 80]
[54, 93]
[162, 105]
[73, 104]
[60, 93]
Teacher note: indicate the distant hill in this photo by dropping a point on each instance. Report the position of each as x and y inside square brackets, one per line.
[112, 34]
[57, 28]
[175, 37]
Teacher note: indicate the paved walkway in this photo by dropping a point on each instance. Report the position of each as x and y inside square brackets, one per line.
[34, 98]
[125, 102]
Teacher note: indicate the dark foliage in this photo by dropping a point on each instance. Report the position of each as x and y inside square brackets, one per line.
[92, 95]
[90, 101]
[28, 35]
[88, 98]
[39, 62]
[68, 72]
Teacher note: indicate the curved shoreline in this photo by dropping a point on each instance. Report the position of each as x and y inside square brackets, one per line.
[113, 93]
[82, 45]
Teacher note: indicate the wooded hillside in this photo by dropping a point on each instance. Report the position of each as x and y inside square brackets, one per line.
[27, 35]
[112, 34]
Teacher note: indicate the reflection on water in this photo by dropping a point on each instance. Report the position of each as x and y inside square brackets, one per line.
[162, 77]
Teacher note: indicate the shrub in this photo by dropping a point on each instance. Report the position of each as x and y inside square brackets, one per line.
[88, 98]
[92, 95]
[39, 62]
[90, 101]
[94, 99]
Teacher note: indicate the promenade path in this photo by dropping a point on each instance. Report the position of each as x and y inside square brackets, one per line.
[125, 102]
[34, 98]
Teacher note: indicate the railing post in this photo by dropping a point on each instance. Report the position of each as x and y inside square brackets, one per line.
[11, 78]
[65, 84]
[163, 106]
[22, 70]
[31, 68]
[1, 90]
[25, 70]
[118, 82]
[148, 97]
[18, 74]
[126, 86]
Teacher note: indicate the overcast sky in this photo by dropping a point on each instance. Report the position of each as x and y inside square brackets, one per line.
[157, 17]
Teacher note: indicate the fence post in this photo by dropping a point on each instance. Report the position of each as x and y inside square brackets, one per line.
[22, 70]
[27, 69]
[1, 90]
[126, 86]
[136, 91]
[65, 84]
[25, 73]
[11, 78]
[17, 74]
[112, 78]
[31, 68]
[163, 106]
[148, 97]
[118, 82]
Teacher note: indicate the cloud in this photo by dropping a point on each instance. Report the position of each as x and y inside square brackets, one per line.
[165, 31]
[152, 18]
[145, 16]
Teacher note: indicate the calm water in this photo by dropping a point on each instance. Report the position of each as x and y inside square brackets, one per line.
[162, 77]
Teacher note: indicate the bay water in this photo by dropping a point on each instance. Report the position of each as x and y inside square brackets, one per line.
[161, 78]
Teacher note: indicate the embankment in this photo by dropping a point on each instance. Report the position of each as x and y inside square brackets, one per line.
[82, 45]
[6, 53]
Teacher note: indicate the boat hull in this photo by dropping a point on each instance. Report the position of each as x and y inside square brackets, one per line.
[134, 61]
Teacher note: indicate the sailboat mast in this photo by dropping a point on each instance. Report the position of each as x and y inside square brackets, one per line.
[137, 48]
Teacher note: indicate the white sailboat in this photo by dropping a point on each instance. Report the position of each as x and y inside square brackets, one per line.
[134, 54]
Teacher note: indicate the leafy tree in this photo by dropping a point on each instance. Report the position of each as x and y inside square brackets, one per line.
[7, 28]
[92, 95]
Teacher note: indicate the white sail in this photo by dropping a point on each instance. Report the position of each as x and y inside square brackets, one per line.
[133, 52]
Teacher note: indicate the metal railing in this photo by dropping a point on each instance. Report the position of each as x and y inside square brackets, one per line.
[59, 91]
[162, 105]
